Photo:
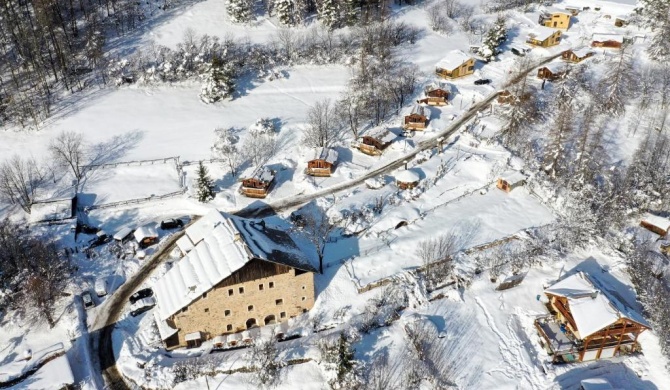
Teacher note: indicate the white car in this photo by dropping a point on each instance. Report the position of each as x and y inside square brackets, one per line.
[142, 305]
[596, 384]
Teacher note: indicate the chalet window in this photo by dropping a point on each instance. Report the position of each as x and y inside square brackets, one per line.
[229, 328]
[279, 302]
[241, 289]
[303, 287]
[303, 298]
[226, 313]
[250, 308]
[282, 314]
[304, 310]
[230, 291]
[271, 285]
[207, 310]
[204, 295]
[471, 68]
[260, 287]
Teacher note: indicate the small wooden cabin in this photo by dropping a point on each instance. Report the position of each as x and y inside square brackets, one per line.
[586, 323]
[456, 64]
[608, 41]
[544, 37]
[556, 19]
[407, 179]
[552, 72]
[376, 141]
[417, 119]
[576, 56]
[436, 94]
[323, 163]
[146, 235]
[656, 224]
[506, 97]
[259, 183]
[511, 180]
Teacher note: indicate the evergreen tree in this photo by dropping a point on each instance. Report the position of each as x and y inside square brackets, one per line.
[349, 10]
[240, 11]
[656, 15]
[287, 12]
[495, 37]
[205, 185]
[329, 13]
[219, 82]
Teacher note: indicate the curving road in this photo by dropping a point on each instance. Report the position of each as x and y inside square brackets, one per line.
[104, 324]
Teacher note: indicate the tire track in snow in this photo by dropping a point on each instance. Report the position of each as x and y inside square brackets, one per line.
[512, 349]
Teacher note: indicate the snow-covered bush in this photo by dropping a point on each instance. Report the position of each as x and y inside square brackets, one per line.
[240, 11]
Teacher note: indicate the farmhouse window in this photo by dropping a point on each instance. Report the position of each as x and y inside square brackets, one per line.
[282, 314]
[260, 287]
[230, 291]
[226, 313]
[207, 310]
[229, 327]
[250, 308]
[241, 289]
[271, 285]
[279, 302]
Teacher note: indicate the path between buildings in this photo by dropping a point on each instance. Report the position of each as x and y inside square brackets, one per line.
[104, 325]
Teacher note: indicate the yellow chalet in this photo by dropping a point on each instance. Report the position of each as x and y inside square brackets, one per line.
[456, 64]
[555, 19]
[544, 37]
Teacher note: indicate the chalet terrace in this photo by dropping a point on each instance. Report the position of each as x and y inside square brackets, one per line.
[258, 184]
[586, 322]
[323, 163]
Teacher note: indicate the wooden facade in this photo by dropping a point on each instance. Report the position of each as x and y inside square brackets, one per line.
[547, 73]
[260, 293]
[508, 185]
[435, 95]
[374, 144]
[506, 97]
[318, 167]
[575, 57]
[560, 20]
[549, 40]
[661, 231]
[607, 43]
[463, 69]
[417, 119]
[259, 184]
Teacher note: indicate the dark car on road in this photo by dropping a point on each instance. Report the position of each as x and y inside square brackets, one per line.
[482, 81]
[172, 223]
[87, 298]
[139, 294]
[141, 306]
[101, 238]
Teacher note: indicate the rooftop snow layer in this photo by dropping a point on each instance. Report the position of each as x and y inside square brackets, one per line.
[655, 220]
[263, 174]
[382, 134]
[203, 226]
[453, 60]
[184, 244]
[541, 33]
[328, 155]
[435, 86]
[607, 37]
[148, 230]
[407, 176]
[513, 176]
[583, 52]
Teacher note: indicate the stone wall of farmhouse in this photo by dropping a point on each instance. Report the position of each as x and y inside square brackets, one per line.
[257, 294]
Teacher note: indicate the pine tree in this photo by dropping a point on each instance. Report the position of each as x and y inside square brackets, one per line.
[329, 13]
[240, 11]
[287, 12]
[495, 37]
[349, 11]
[556, 153]
[656, 15]
[219, 82]
[205, 184]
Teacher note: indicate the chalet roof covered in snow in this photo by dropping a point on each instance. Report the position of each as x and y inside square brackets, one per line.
[407, 176]
[381, 133]
[435, 86]
[541, 33]
[655, 220]
[552, 11]
[555, 67]
[592, 307]
[583, 52]
[420, 110]
[327, 154]
[513, 177]
[145, 231]
[453, 60]
[230, 245]
[263, 173]
[185, 244]
[607, 37]
[202, 227]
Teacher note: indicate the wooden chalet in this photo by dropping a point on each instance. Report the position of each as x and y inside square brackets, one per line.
[417, 119]
[259, 183]
[506, 97]
[323, 163]
[656, 224]
[407, 179]
[544, 37]
[552, 71]
[376, 141]
[511, 180]
[586, 323]
[146, 235]
[576, 56]
[555, 19]
[456, 64]
[436, 94]
[611, 41]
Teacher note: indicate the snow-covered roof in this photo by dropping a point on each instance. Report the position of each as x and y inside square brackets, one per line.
[327, 154]
[421, 110]
[122, 233]
[263, 173]
[513, 176]
[382, 134]
[164, 330]
[202, 227]
[607, 37]
[596, 384]
[193, 336]
[453, 60]
[145, 231]
[552, 11]
[555, 67]
[225, 249]
[541, 33]
[591, 307]
[435, 86]
[655, 220]
[407, 176]
[184, 244]
[583, 52]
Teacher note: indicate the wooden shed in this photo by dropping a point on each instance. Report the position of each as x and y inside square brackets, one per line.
[436, 94]
[259, 183]
[456, 64]
[417, 119]
[576, 56]
[146, 235]
[544, 37]
[511, 180]
[552, 71]
[375, 141]
[506, 97]
[656, 224]
[407, 179]
[611, 41]
[323, 163]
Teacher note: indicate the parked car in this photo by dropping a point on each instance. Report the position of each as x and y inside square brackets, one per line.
[172, 223]
[87, 299]
[142, 305]
[101, 238]
[482, 81]
[139, 294]
[595, 384]
[101, 287]
[86, 229]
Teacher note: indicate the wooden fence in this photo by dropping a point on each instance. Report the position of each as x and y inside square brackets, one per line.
[132, 201]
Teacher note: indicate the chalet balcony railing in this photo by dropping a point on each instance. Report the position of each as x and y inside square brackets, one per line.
[565, 313]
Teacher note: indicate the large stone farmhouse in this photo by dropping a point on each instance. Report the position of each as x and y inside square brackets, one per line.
[238, 274]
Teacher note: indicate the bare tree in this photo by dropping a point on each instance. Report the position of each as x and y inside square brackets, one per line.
[322, 127]
[20, 180]
[437, 256]
[68, 149]
[384, 374]
[259, 147]
[318, 228]
[225, 147]
[264, 357]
